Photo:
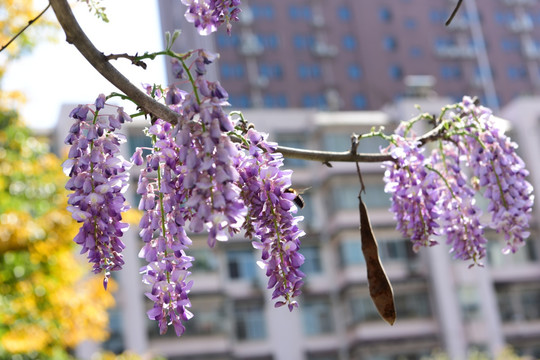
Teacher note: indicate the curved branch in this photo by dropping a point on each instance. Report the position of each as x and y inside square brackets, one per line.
[330, 156]
[76, 36]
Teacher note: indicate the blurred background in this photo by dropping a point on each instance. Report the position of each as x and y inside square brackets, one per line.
[309, 72]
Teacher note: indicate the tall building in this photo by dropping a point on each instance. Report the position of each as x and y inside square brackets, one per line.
[357, 55]
[441, 304]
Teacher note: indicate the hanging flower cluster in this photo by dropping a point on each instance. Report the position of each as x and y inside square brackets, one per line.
[196, 179]
[209, 173]
[270, 217]
[98, 178]
[434, 196]
[208, 15]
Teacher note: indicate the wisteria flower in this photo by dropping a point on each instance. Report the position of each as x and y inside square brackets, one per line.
[98, 178]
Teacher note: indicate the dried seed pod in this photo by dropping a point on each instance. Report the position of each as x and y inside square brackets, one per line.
[380, 288]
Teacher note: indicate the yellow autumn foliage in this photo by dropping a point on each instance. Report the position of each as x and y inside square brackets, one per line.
[48, 297]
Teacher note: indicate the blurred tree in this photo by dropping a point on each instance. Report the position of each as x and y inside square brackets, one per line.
[48, 304]
[14, 16]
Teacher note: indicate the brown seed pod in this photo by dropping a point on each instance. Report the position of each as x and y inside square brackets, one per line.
[380, 288]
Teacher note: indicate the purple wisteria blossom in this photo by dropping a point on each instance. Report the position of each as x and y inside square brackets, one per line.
[189, 183]
[435, 196]
[501, 173]
[208, 15]
[162, 230]
[460, 217]
[271, 218]
[415, 192]
[98, 178]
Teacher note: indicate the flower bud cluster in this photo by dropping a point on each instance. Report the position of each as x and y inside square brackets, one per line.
[270, 218]
[208, 15]
[98, 178]
[435, 196]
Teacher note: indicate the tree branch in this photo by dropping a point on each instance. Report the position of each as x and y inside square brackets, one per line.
[330, 156]
[453, 14]
[30, 22]
[76, 36]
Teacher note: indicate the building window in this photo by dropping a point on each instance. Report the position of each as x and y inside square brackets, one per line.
[438, 16]
[312, 262]
[415, 51]
[385, 15]
[262, 11]
[523, 257]
[232, 71]
[469, 302]
[504, 17]
[516, 72]
[410, 23]
[303, 41]
[311, 71]
[300, 12]
[354, 71]
[138, 140]
[239, 100]
[271, 71]
[389, 43]
[350, 252]
[317, 316]
[518, 302]
[359, 101]
[349, 42]
[268, 41]
[395, 72]
[345, 197]
[314, 101]
[296, 140]
[249, 320]
[451, 71]
[225, 41]
[209, 316]
[344, 13]
[510, 45]
[339, 141]
[411, 306]
[241, 264]
[206, 260]
[275, 100]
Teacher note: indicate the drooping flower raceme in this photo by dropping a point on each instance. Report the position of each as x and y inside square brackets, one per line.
[271, 218]
[435, 196]
[194, 180]
[208, 15]
[460, 217]
[98, 179]
[501, 173]
[414, 192]
[162, 230]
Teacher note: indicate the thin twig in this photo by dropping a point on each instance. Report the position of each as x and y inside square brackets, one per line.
[133, 58]
[453, 14]
[30, 22]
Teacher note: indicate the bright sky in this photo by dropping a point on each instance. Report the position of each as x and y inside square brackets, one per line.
[55, 73]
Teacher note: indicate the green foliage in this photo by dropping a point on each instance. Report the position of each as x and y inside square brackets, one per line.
[98, 10]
